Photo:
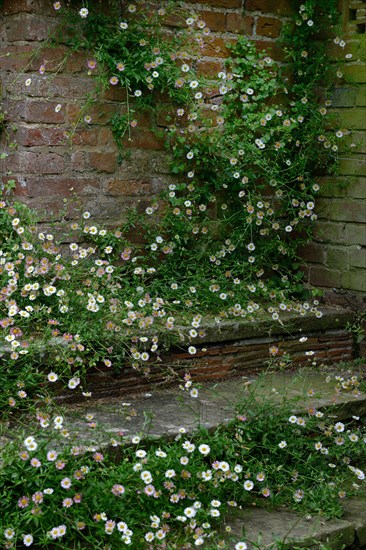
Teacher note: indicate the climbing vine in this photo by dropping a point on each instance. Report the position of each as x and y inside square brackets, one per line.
[247, 146]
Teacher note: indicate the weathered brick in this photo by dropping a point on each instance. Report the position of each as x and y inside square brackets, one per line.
[355, 233]
[283, 7]
[28, 27]
[272, 49]
[336, 187]
[43, 111]
[218, 3]
[30, 137]
[117, 188]
[357, 257]
[354, 280]
[78, 161]
[325, 231]
[87, 136]
[144, 139]
[239, 24]
[103, 162]
[355, 72]
[337, 258]
[356, 140]
[321, 276]
[353, 118]
[209, 68]
[312, 252]
[11, 7]
[361, 97]
[100, 113]
[105, 136]
[268, 26]
[344, 96]
[115, 93]
[216, 47]
[15, 58]
[58, 186]
[352, 166]
[215, 20]
[42, 163]
[342, 210]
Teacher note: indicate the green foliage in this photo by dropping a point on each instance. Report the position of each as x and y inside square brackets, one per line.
[221, 240]
[72, 495]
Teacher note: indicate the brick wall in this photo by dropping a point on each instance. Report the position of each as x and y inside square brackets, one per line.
[337, 257]
[48, 169]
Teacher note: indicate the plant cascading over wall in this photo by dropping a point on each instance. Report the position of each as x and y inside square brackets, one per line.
[246, 147]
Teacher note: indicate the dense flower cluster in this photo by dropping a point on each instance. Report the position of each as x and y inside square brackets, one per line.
[177, 492]
[221, 240]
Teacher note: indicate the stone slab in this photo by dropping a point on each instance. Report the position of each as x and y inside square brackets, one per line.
[281, 529]
[163, 412]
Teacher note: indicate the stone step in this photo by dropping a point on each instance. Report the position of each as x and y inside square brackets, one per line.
[233, 347]
[162, 412]
[285, 530]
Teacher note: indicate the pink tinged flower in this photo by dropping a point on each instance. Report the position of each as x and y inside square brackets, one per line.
[42, 69]
[92, 63]
[57, 6]
[118, 489]
[51, 456]
[67, 502]
[113, 80]
[66, 483]
[23, 502]
[98, 457]
[37, 497]
[109, 526]
[35, 463]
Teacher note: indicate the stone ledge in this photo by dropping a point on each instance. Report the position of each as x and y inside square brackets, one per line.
[286, 530]
[233, 348]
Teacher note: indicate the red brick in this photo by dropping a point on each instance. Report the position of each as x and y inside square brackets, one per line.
[15, 58]
[209, 68]
[144, 139]
[320, 276]
[105, 136]
[30, 137]
[42, 163]
[237, 23]
[282, 7]
[100, 113]
[60, 87]
[78, 163]
[28, 27]
[216, 47]
[11, 7]
[43, 111]
[219, 3]
[87, 136]
[115, 93]
[130, 188]
[273, 49]
[214, 20]
[59, 186]
[174, 20]
[103, 162]
[268, 26]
